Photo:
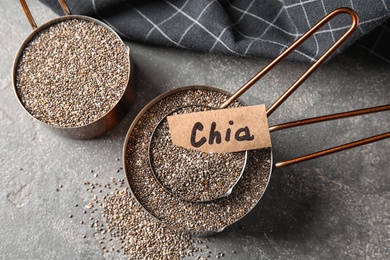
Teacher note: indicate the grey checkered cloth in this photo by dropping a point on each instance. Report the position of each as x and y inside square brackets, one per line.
[259, 28]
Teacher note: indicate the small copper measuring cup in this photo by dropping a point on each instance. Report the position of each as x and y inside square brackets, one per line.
[204, 183]
[106, 121]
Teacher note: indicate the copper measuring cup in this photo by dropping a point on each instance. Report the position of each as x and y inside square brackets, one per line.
[203, 176]
[108, 120]
[143, 185]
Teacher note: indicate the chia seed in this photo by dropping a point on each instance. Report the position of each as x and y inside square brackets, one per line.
[72, 73]
[142, 236]
[121, 225]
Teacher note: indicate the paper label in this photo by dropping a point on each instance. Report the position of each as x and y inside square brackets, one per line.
[222, 130]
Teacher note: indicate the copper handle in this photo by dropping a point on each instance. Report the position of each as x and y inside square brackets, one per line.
[259, 75]
[30, 18]
[64, 7]
[333, 150]
[337, 148]
[329, 117]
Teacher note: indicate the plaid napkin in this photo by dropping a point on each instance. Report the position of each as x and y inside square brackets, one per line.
[257, 28]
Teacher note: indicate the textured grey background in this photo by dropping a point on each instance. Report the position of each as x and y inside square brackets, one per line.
[333, 207]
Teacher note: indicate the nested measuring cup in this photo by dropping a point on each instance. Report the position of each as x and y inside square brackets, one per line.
[204, 218]
[189, 174]
[74, 74]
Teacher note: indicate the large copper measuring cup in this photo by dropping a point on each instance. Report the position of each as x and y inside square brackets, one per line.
[199, 217]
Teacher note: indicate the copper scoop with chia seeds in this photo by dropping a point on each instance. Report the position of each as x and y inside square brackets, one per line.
[72, 73]
[189, 174]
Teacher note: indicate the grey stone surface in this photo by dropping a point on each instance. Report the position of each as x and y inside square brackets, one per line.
[335, 207]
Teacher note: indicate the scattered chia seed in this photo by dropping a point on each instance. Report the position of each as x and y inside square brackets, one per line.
[198, 218]
[142, 236]
[72, 73]
[121, 225]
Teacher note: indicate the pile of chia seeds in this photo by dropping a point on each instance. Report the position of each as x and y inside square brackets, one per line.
[122, 226]
[72, 73]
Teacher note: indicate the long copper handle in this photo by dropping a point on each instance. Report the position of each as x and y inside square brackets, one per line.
[30, 18]
[64, 7]
[337, 148]
[333, 150]
[329, 117]
[282, 98]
